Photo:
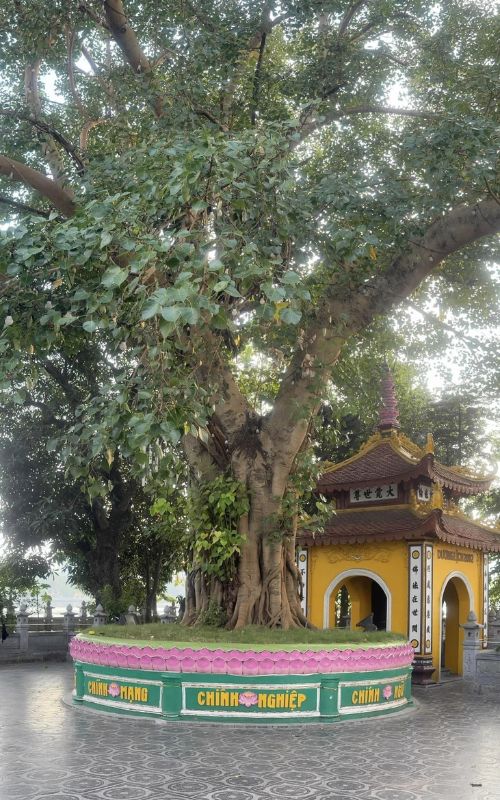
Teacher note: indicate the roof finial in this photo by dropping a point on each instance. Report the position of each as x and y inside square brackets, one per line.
[388, 415]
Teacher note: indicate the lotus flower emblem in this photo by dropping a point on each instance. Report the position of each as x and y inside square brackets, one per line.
[247, 699]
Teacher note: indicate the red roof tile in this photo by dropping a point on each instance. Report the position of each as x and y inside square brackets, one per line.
[382, 464]
[356, 527]
[386, 464]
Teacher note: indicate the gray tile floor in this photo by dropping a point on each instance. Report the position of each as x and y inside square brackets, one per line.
[49, 751]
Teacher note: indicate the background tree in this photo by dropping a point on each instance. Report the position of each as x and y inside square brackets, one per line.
[232, 175]
[21, 578]
[101, 528]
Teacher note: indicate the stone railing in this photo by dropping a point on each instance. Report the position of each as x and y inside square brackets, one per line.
[45, 638]
[48, 637]
[481, 666]
[494, 628]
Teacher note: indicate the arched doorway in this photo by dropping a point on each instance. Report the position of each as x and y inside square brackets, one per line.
[456, 602]
[367, 593]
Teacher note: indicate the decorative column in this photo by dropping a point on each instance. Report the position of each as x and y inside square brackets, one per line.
[472, 645]
[420, 595]
[48, 612]
[486, 581]
[83, 612]
[131, 616]
[22, 627]
[69, 619]
[302, 565]
[100, 616]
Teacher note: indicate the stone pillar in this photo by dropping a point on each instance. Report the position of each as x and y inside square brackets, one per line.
[22, 626]
[48, 612]
[472, 646]
[100, 616]
[83, 612]
[131, 617]
[69, 618]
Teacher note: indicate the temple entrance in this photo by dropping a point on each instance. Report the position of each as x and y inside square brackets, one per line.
[455, 606]
[352, 596]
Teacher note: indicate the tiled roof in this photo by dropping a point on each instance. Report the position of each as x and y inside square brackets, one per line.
[382, 464]
[387, 462]
[458, 530]
[356, 527]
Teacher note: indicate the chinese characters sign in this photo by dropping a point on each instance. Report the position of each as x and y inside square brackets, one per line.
[428, 599]
[302, 565]
[485, 599]
[369, 494]
[424, 493]
[416, 578]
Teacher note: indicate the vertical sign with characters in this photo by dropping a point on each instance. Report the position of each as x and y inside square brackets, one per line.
[415, 596]
[486, 580]
[427, 621]
[302, 564]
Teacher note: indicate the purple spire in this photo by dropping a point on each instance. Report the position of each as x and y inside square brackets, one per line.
[388, 415]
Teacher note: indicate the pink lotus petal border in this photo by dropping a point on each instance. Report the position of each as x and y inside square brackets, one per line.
[242, 662]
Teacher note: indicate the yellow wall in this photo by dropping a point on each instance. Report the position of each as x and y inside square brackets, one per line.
[389, 562]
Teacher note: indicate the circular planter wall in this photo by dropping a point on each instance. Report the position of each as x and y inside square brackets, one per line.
[242, 684]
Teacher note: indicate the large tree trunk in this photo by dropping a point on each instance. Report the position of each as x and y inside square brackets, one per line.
[265, 587]
[104, 564]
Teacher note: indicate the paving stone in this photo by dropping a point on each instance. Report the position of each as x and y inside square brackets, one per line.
[53, 752]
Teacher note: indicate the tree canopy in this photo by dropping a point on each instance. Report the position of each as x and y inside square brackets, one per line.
[189, 184]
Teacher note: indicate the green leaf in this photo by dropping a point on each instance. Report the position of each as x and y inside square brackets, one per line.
[151, 309]
[106, 237]
[171, 313]
[290, 316]
[90, 326]
[190, 315]
[114, 276]
[291, 278]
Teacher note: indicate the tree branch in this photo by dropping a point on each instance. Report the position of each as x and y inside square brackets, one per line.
[48, 188]
[8, 201]
[257, 79]
[128, 43]
[470, 341]
[50, 131]
[70, 43]
[84, 8]
[253, 44]
[84, 133]
[311, 123]
[349, 16]
[232, 410]
[73, 395]
[340, 316]
[32, 96]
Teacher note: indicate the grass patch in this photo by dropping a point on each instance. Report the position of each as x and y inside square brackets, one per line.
[258, 637]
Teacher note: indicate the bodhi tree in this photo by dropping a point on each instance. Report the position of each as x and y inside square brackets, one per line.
[182, 181]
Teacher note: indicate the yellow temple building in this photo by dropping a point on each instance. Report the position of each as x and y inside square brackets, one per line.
[398, 550]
